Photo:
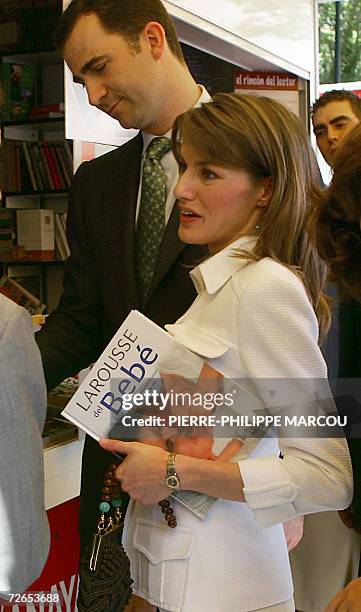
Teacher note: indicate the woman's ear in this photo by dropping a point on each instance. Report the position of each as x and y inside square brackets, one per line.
[266, 192]
[154, 34]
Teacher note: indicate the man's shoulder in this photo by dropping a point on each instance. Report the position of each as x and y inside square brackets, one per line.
[130, 149]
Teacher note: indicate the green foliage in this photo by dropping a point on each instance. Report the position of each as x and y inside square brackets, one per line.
[350, 41]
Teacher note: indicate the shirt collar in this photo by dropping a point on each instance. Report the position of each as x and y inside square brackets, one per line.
[215, 271]
[203, 98]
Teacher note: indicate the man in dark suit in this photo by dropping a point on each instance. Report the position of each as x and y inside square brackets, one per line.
[127, 56]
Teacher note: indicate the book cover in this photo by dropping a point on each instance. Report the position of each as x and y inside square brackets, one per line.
[128, 365]
[35, 232]
[143, 363]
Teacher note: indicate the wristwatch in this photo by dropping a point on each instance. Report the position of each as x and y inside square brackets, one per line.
[172, 479]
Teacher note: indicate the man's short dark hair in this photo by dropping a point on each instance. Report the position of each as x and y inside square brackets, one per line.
[338, 95]
[124, 17]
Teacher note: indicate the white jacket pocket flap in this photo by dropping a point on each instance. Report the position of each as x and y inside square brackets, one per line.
[200, 341]
[160, 543]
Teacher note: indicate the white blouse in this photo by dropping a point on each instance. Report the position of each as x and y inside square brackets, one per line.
[250, 321]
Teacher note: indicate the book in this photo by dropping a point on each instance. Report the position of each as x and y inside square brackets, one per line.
[46, 169]
[17, 293]
[127, 373]
[60, 237]
[35, 232]
[49, 154]
[58, 148]
[26, 152]
[132, 368]
[9, 170]
[127, 365]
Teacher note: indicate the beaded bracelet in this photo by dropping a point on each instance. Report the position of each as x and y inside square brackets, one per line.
[111, 495]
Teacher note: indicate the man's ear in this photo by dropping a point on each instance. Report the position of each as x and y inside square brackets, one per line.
[154, 35]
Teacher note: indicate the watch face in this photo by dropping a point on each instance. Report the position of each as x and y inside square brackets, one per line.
[172, 482]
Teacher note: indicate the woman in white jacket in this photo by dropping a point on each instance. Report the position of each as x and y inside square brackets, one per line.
[245, 172]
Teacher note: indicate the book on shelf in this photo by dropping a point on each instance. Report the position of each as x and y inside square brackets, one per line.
[62, 162]
[49, 177]
[35, 232]
[49, 155]
[34, 166]
[9, 166]
[61, 241]
[17, 293]
[34, 160]
[17, 84]
[29, 165]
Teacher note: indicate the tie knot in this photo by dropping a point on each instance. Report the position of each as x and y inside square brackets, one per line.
[158, 147]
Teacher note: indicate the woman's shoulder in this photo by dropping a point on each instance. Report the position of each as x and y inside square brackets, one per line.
[268, 275]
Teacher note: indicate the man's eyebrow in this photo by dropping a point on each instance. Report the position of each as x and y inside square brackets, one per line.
[88, 66]
[340, 118]
[320, 126]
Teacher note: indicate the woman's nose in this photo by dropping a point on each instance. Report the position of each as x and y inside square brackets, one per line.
[184, 189]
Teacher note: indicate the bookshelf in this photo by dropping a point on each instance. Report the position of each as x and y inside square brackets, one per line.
[35, 160]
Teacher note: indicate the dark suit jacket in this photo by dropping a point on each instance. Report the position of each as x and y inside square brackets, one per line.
[100, 286]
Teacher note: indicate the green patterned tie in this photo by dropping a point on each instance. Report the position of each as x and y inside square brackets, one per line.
[151, 219]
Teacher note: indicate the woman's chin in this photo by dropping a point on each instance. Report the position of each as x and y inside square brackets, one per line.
[189, 237]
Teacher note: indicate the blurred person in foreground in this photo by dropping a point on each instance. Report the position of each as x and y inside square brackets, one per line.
[24, 531]
[245, 173]
[337, 228]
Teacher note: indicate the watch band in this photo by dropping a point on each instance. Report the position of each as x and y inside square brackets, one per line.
[172, 479]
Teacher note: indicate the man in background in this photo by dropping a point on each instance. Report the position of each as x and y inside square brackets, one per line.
[125, 250]
[334, 115]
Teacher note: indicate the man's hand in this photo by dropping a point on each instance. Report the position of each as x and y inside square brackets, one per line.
[293, 531]
[347, 600]
[143, 471]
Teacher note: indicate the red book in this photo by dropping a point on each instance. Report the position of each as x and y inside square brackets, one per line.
[52, 165]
